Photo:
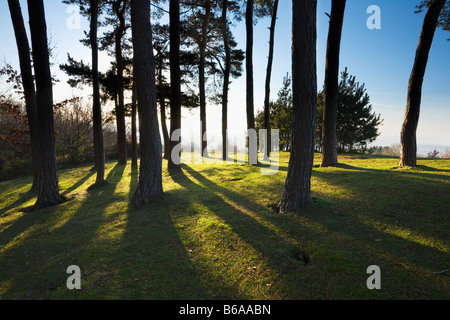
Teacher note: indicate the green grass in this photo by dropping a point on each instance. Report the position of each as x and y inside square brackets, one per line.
[214, 236]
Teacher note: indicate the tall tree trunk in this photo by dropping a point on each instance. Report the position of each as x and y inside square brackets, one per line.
[331, 89]
[23, 49]
[134, 156]
[252, 144]
[268, 146]
[249, 66]
[175, 81]
[99, 151]
[408, 134]
[149, 186]
[120, 111]
[297, 189]
[162, 107]
[201, 75]
[226, 80]
[48, 189]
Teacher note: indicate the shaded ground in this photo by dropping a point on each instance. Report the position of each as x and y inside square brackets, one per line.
[214, 235]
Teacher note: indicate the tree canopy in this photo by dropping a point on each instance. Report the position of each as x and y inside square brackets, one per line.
[357, 124]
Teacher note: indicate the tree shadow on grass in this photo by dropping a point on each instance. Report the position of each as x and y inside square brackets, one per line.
[127, 253]
[281, 254]
[123, 253]
[431, 169]
[417, 172]
[78, 184]
[388, 200]
[61, 236]
[363, 235]
[19, 226]
[154, 263]
[24, 198]
[134, 179]
[139, 255]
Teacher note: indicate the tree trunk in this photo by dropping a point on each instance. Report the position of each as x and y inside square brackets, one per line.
[99, 151]
[150, 176]
[23, 49]
[162, 107]
[408, 134]
[249, 66]
[134, 156]
[267, 145]
[331, 89]
[252, 145]
[201, 75]
[175, 82]
[297, 190]
[226, 80]
[120, 111]
[48, 189]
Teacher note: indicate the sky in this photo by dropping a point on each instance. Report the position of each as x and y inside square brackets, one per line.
[382, 59]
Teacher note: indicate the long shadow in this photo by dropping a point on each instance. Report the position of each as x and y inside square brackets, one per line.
[78, 184]
[146, 261]
[155, 263]
[396, 169]
[349, 167]
[134, 179]
[412, 173]
[385, 208]
[241, 198]
[94, 206]
[27, 219]
[20, 225]
[417, 253]
[24, 198]
[280, 253]
[69, 242]
[427, 168]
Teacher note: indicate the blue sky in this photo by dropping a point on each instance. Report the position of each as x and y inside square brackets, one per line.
[382, 59]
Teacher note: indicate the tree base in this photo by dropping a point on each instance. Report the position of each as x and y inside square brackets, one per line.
[43, 205]
[329, 164]
[97, 185]
[139, 201]
[407, 162]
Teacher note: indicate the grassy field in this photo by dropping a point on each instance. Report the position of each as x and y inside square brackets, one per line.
[215, 236]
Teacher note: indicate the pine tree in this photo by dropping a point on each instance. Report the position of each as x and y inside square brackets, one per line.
[48, 189]
[23, 48]
[408, 134]
[330, 94]
[149, 186]
[297, 188]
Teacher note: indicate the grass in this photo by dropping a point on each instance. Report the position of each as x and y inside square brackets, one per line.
[214, 236]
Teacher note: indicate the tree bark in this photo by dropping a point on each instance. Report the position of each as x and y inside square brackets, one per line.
[23, 49]
[162, 107]
[48, 189]
[149, 186]
[250, 92]
[268, 146]
[408, 155]
[99, 150]
[120, 111]
[331, 88]
[201, 75]
[175, 82]
[249, 66]
[134, 156]
[297, 189]
[226, 80]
